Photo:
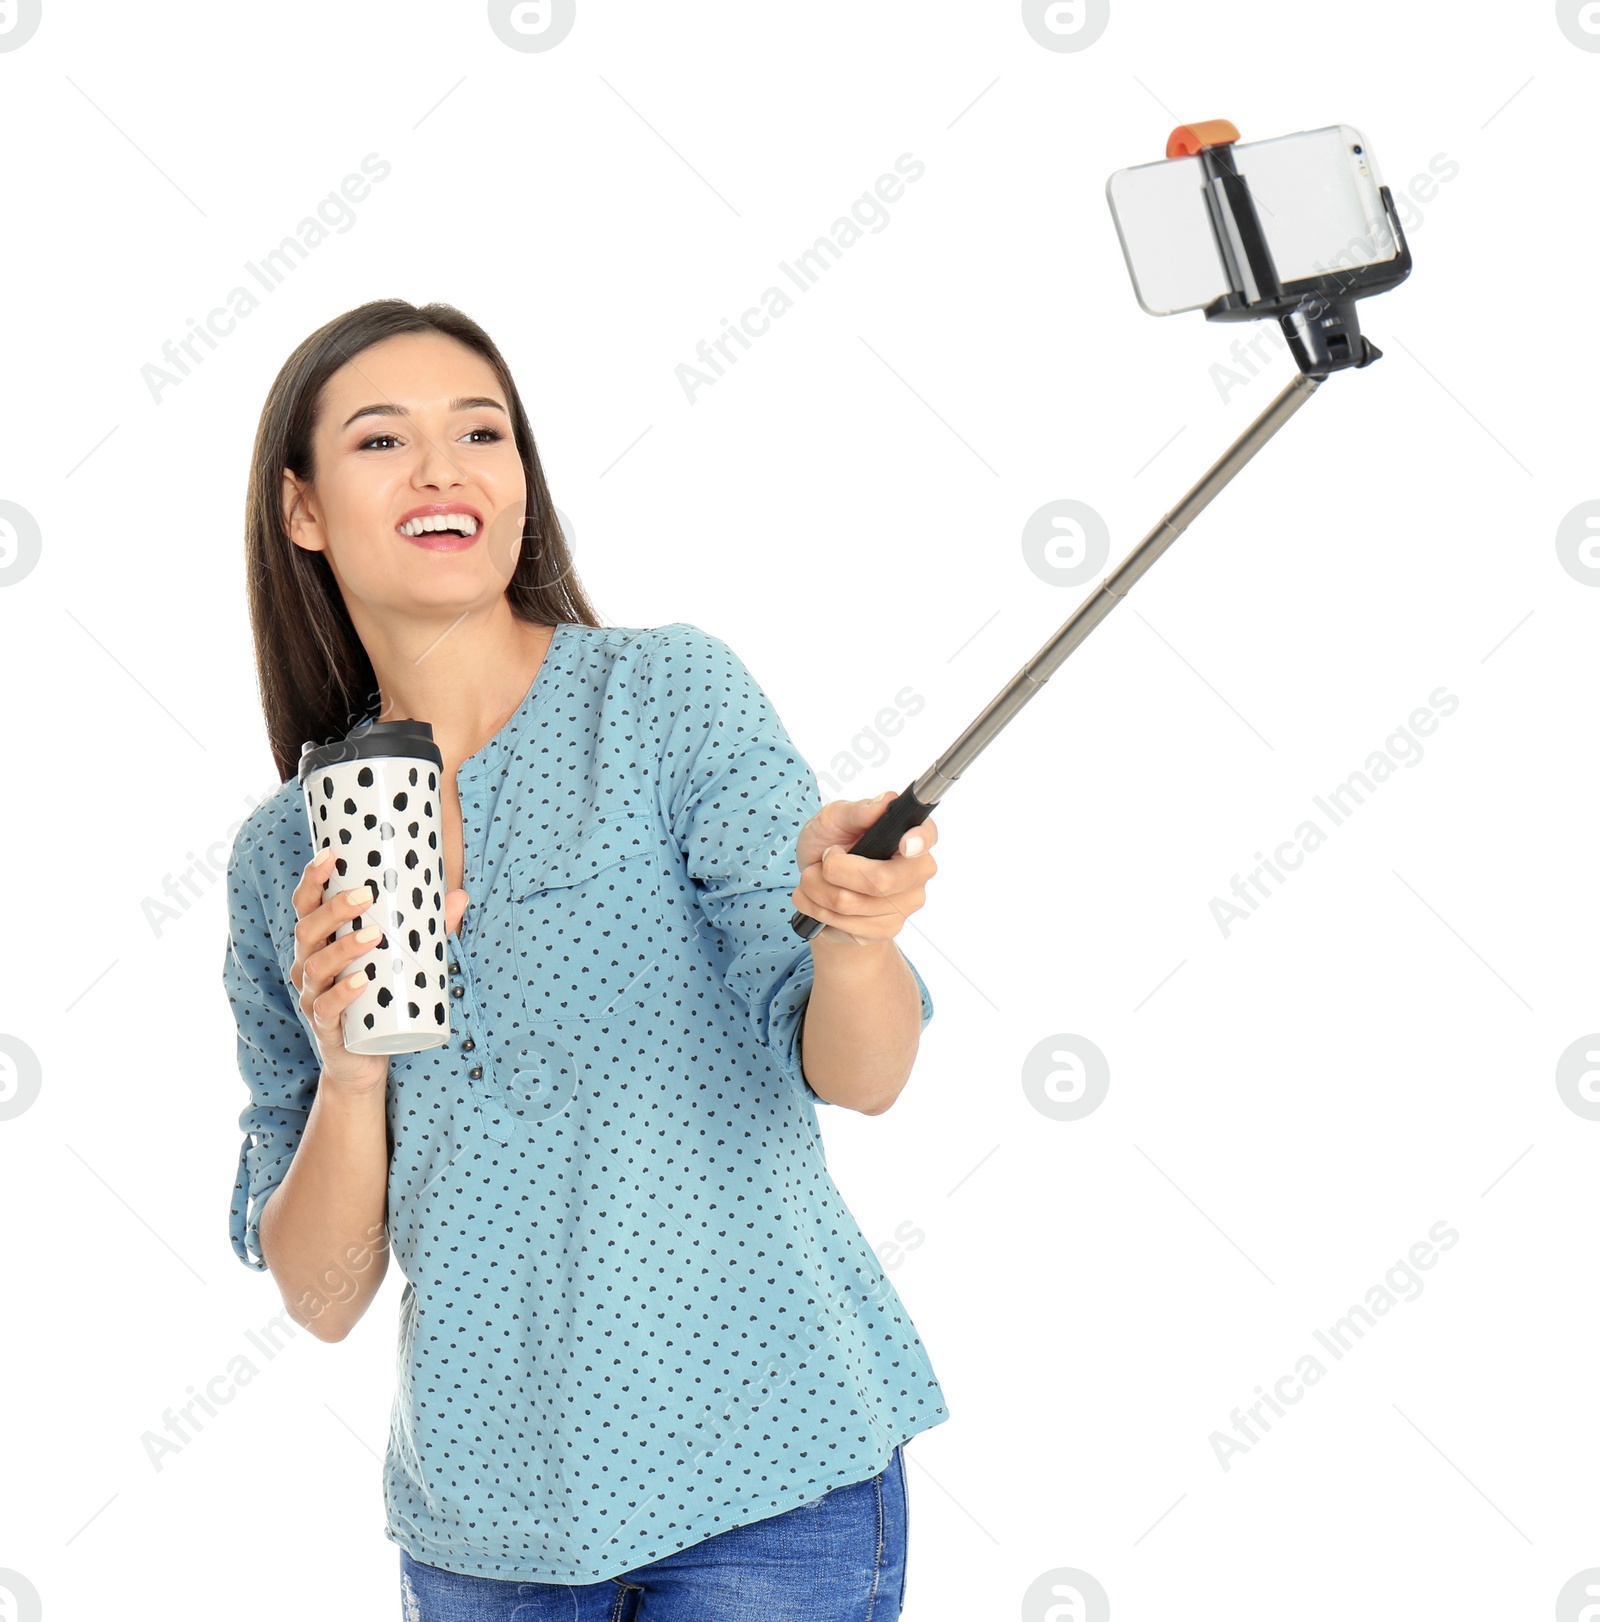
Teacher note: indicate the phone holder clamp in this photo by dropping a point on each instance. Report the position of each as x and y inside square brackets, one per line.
[1317, 313]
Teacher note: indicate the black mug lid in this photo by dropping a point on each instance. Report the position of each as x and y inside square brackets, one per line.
[372, 740]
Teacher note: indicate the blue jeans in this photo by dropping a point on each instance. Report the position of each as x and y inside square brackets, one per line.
[838, 1558]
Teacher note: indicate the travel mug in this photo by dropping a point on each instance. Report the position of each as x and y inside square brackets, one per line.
[374, 798]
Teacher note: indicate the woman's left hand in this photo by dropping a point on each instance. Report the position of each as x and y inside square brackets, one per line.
[864, 898]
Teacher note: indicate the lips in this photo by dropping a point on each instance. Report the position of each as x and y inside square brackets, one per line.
[442, 539]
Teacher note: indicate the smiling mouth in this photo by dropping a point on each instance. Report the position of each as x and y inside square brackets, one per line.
[458, 523]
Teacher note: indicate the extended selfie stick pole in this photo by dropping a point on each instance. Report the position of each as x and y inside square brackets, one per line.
[1318, 319]
[916, 802]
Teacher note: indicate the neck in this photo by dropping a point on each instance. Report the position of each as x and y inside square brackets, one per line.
[466, 679]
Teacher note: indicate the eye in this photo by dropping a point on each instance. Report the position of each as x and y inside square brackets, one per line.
[493, 435]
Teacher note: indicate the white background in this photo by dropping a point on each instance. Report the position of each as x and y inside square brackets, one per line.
[1292, 1106]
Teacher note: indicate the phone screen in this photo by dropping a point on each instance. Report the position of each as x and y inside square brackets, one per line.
[1316, 194]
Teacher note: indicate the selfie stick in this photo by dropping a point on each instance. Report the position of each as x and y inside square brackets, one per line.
[1318, 318]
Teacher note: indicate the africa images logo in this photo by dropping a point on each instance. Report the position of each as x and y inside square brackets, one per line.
[1403, 747]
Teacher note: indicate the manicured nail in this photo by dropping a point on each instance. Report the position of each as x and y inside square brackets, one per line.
[914, 845]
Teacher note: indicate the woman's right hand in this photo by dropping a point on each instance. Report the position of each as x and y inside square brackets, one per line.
[318, 959]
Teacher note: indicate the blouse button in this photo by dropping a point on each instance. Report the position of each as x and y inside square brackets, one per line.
[455, 968]
[458, 991]
[468, 1045]
[476, 1072]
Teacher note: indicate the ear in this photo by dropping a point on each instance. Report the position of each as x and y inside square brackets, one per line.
[299, 521]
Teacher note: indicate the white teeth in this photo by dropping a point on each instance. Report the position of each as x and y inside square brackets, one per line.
[464, 523]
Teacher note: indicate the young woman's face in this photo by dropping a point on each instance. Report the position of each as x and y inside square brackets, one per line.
[411, 429]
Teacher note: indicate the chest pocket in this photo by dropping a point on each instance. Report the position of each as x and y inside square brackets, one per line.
[588, 917]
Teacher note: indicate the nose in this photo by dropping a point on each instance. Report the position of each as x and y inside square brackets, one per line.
[434, 470]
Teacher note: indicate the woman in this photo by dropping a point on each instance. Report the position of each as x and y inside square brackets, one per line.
[647, 1361]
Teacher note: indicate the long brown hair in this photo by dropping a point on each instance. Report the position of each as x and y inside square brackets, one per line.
[315, 677]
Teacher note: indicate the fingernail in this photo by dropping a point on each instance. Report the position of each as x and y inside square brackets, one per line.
[914, 845]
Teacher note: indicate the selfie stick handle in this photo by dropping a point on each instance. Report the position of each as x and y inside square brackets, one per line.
[918, 799]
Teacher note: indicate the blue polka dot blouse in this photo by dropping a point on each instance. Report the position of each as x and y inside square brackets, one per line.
[636, 1311]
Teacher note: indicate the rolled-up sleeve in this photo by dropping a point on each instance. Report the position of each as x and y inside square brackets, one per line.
[736, 793]
[277, 1061]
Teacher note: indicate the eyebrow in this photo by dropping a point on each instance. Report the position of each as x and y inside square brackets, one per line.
[472, 403]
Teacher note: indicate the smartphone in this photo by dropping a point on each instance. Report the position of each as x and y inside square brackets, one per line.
[1316, 195]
